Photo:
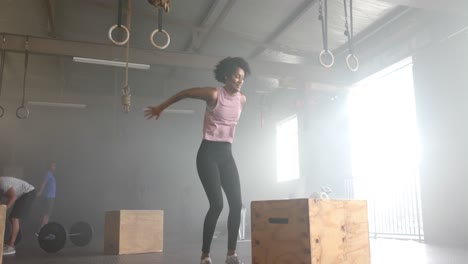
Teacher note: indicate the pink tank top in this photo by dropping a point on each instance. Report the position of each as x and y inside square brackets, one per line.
[221, 120]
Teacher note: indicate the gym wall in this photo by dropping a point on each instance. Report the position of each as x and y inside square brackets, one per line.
[441, 91]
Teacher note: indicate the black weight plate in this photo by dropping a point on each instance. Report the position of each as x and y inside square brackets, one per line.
[52, 237]
[85, 232]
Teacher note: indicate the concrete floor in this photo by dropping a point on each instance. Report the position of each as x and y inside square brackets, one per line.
[180, 251]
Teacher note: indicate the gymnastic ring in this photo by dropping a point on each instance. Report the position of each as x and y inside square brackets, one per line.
[126, 32]
[165, 33]
[2, 111]
[348, 59]
[322, 54]
[22, 116]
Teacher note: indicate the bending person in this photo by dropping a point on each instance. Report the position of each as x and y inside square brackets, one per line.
[19, 196]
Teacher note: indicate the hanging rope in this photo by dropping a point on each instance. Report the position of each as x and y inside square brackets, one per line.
[126, 96]
[161, 5]
[349, 32]
[22, 112]
[2, 65]
[120, 26]
[323, 17]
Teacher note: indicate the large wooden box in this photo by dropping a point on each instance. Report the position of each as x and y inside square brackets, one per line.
[133, 231]
[308, 231]
[2, 228]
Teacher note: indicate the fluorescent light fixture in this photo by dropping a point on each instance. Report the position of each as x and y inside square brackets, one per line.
[52, 104]
[112, 63]
[177, 111]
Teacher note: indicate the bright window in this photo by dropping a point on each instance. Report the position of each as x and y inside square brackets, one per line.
[385, 152]
[383, 127]
[287, 150]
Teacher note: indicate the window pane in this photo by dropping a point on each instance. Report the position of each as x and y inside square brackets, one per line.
[287, 150]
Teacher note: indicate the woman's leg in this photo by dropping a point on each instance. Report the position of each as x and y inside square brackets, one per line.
[209, 175]
[231, 185]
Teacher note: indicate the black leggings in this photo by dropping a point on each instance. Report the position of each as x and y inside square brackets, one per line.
[216, 168]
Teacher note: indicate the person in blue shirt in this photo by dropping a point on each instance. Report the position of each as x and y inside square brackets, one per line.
[47, 194]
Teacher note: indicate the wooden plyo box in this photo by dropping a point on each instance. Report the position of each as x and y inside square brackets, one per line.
[308, 231]
[2, 229]
[133, 231]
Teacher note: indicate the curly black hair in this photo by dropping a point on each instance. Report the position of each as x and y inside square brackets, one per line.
[227, 66]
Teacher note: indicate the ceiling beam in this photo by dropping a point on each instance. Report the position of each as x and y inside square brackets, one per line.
[406, 37]
[205, 21]
[206, 25]
[388, 21]
[285, 25]
[47, 46]
[194, 42]
[459, 7]
[141, 13]
[220, 17]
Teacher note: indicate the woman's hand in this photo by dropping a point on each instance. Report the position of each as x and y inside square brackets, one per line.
[153, 112]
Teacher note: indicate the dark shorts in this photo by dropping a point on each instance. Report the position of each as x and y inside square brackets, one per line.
[47, 205]
[23, 205]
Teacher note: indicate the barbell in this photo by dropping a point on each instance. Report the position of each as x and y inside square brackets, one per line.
[53, 236]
